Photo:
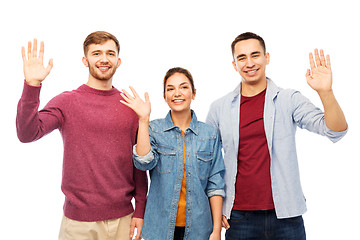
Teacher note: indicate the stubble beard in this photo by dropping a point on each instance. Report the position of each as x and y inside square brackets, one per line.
[102, 77]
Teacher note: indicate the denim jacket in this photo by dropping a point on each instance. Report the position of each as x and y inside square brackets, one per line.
[204, 177]
[284, 111]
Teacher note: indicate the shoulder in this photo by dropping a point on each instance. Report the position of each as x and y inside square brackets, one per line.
[157, 123]
[206, 129]
[226, 98]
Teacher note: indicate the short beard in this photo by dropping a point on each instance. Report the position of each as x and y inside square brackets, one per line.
[106, 77]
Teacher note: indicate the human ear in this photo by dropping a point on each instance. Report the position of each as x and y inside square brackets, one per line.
[267, 56]
[235, 65]
[194, 94]
[118, 63]
[85, 62]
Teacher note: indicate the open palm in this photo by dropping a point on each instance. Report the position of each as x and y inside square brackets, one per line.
[141, 108]
[319, 76]
[34, 70]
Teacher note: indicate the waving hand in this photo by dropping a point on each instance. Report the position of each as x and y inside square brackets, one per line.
[34, 70]
[141, 108]
[319, 76]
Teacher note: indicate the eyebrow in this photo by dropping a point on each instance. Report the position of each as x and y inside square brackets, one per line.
[244, 55]
[183, 83]
[108, 51]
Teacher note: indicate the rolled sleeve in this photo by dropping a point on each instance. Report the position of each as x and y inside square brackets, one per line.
[143, 159]
[215, 192]
[335, 136]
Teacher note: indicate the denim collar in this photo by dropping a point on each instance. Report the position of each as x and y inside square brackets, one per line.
[169, 125]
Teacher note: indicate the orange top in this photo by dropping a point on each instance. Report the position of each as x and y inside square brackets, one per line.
[181, 212]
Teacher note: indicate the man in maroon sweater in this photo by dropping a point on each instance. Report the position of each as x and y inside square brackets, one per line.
[99, 179]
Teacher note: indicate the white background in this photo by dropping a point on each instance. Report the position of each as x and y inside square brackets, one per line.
[155, 36]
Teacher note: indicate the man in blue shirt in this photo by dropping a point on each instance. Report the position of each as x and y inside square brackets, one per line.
[257, 124]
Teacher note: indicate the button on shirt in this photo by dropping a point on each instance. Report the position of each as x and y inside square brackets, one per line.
[284, 111]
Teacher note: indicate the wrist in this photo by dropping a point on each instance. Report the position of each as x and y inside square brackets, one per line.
[217, 229]
[33, 83]
[144, 120]
[326, 94]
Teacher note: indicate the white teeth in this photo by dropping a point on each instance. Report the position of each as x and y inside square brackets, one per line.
[252, 71]
[178, 100]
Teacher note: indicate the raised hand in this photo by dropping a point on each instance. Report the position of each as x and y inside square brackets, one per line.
[140, 107]
[34, 69]
[319, 76]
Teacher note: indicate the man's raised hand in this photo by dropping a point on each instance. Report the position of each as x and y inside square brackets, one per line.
[34, 69]
[319, 76]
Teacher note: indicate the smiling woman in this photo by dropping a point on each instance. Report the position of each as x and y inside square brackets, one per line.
[184, 158]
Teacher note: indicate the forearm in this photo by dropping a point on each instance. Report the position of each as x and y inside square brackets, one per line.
[27, 118]
[143, 146]
[334, 116]
[216, 210]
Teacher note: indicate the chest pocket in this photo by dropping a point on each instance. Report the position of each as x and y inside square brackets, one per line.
[204, 160]
[166, 159]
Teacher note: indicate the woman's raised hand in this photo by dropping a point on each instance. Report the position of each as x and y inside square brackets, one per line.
[141, 108]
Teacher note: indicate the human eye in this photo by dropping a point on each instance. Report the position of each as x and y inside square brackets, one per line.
[169, 89]
[256, 55]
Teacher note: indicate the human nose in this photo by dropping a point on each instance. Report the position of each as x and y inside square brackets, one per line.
[177, 92]
[104, 58]
[250, 63]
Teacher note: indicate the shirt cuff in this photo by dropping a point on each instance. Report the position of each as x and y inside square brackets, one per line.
[216, 192]
[143, 159]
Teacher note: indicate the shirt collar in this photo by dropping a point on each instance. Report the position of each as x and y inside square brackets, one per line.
[169, 125]
[271, 89]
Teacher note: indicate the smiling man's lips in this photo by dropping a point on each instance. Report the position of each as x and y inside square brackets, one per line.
[104, 68]
[252, 71]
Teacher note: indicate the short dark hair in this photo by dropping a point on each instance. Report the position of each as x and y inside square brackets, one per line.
[99, 37]
[184, 71]
[246, 36]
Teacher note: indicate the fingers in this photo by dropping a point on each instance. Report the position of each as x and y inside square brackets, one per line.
[41, 53]
[225, 223]
[320, 59]
[311, 60]
[34, 52]
[328, 64]
[132, 229]
[49, 66]
[126, 95]
[146, 95]
[23, 54]
[29, 49]
[134, 92]
[317, 58]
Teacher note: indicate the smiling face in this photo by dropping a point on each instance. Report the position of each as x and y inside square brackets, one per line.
[102, 60]
[179, 93]
[250, 61]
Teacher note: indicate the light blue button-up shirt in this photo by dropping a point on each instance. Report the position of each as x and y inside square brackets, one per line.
[204, 177]
[284, 111]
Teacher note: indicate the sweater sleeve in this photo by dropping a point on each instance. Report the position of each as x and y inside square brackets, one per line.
[141, 186]
[32, 124]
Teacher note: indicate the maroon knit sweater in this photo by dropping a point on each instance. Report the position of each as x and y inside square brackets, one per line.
[99, 179]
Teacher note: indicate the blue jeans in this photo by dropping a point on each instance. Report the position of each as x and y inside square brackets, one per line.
[264, 225]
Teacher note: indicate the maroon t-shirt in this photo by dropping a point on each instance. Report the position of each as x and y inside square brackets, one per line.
[253, 181]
